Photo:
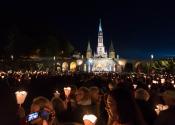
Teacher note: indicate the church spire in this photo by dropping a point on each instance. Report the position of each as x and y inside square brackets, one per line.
[89, 47]
[100, 27]
[89, 51]
[111, 48]
[111, 51]
[100, 47]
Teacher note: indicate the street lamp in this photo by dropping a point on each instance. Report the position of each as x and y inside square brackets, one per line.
[54, 58]
[150, 63]
[12, 57]
[152, 56]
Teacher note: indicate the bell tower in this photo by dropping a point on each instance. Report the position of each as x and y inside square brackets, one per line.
[111, 51]
[89, 51]
[100, 46]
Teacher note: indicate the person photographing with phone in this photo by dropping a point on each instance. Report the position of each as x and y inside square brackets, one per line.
[42, 112]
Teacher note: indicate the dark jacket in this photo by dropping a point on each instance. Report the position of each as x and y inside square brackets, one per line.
[148, 112]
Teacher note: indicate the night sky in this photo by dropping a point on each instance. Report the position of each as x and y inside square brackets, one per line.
[137, 28]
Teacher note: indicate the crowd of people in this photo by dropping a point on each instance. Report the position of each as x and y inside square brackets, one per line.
[94, 99]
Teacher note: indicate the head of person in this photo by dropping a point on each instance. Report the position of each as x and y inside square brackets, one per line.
[82, 95]
[58, 106]
[42, 103]
[121, 106]
[110, 86]
[169, 97]
[95, 93]
[142, 94]
[73, 91]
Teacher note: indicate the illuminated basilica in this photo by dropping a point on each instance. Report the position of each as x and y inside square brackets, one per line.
[100, 61]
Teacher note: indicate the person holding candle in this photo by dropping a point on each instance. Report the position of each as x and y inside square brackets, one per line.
[42, 113]
[84, 104]
[142, 96]
[166, 117]
[97, 100]
[42, 103]
[122, 108]
[59, 107]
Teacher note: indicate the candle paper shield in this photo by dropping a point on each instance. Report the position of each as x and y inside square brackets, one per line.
[135, 86]
[162, 81]
[20, 96]
[67, 91]
[160, 108]
[92, 118]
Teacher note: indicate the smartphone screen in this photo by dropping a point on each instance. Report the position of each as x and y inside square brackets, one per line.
[32, 116]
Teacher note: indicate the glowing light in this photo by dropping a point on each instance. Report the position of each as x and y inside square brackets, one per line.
[155, 82]
[160, 108]
[2, 77]
[135, 86]
[118, 57]
[79, 62]
[19, 80]
[65, 66]
[12, 57]
[149, 86]
[162, 81]
[121, 62]
[54, 58]
[20, 96]
[90, 61]
[73, 66]
[67, 91]
[152, 56]
[103, 64]
[92, 118]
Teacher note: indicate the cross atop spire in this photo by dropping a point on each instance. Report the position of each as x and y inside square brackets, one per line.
[100, 27]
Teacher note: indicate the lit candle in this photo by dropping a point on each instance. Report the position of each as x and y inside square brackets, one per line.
[149, 86]
[135, 86]
[160, 108]
[67, 91]
[19, 80]
[92, 118]
[154, 81]
[162, 81]
[20, 96]
[2, 77]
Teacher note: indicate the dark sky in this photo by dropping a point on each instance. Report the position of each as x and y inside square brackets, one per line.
[137, 28]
